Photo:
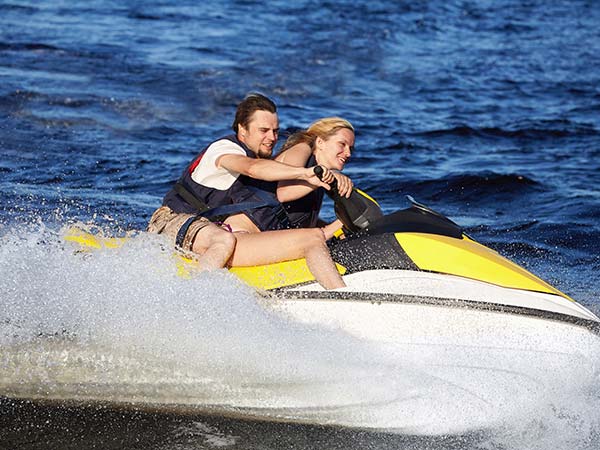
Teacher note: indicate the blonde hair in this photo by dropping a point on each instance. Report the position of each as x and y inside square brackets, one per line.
[323, 128]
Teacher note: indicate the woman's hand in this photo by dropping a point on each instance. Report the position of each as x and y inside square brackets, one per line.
[344, 184]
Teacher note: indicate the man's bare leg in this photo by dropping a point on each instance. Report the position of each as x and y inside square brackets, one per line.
[214, 246]
[321, 265]
[284, 245]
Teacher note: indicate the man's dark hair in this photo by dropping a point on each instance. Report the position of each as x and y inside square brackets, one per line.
[251, 103]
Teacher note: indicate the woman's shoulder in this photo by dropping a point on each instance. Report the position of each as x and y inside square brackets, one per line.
[297, 154]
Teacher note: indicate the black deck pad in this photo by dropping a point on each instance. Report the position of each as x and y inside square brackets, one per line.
[370, 252]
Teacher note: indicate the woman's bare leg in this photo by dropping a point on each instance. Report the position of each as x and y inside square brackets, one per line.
[214, 246]
[284, 245]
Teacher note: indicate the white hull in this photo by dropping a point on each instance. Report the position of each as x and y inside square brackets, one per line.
[483, 353]
[440, 287]
[441, 355]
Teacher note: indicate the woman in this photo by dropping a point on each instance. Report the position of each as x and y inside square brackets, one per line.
[328, 142]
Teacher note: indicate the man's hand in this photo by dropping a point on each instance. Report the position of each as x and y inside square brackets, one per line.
[324, 180]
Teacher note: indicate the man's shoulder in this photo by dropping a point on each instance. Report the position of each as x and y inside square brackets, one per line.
[225, 145]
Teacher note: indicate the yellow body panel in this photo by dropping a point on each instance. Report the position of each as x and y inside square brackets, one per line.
[364, 194]
[86, 239]
[461, 257]
[466, 258]
[270, 276]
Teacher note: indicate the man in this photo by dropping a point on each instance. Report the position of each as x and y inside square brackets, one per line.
[234, 177]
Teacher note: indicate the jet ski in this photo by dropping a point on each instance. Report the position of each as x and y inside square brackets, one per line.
[479, 327]
[412, 256]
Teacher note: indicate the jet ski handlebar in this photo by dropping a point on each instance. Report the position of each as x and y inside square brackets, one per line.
[318, 170]
[356, 212]
[360, 212]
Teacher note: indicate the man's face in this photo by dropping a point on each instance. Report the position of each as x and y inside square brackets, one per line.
[261, 134]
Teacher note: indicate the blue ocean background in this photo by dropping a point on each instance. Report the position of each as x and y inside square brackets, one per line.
[486, 111]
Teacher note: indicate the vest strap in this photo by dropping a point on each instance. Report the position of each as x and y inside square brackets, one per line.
[189, 197]
[234, 208]
[221, 212]
[183, 231]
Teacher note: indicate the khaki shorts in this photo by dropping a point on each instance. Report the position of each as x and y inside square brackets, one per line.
[165, 221]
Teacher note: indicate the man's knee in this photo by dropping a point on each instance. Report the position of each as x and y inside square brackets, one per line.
[225, 238]
[211, 236]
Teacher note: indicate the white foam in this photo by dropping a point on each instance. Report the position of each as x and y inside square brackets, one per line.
[110, 321]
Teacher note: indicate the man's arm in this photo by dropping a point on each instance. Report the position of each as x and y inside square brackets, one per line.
[269, 170]
[297, 156]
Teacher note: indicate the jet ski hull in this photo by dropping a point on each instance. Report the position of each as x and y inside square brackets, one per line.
[435, 366]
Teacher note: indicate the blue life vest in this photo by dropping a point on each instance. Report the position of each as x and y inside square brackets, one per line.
[304, 212]
[255, 198]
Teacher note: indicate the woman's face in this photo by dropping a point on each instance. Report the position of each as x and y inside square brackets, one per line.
[335, 151]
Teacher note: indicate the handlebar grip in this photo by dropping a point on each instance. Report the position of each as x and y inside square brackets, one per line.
[318, 170]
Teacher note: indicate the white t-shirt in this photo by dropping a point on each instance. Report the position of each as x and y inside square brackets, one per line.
[208, 174]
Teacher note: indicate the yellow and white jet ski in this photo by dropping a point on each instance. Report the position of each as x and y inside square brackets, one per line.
[412, 256]
[480, 326]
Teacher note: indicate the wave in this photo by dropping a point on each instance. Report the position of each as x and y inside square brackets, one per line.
[19, 97]
[497, 182]
[169, 16]
[479, 188]
[577, 238]
[20, 8]
[539, 129]
[28, 46]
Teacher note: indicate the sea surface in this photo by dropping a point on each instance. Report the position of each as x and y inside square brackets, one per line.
[486, 111]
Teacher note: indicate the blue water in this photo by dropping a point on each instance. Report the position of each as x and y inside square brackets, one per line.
[487, 111]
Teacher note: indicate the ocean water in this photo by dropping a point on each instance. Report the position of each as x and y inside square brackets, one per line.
[487, 111]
